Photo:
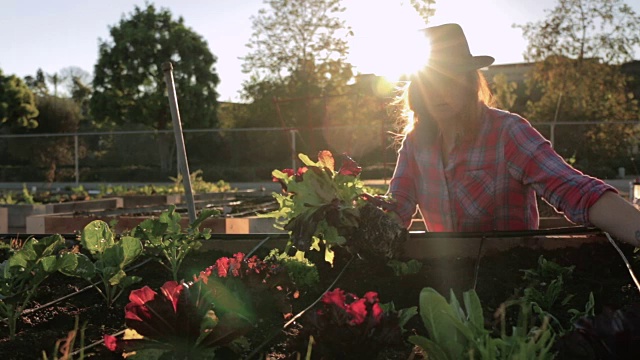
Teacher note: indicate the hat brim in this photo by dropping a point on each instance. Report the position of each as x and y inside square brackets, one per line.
[468, 64]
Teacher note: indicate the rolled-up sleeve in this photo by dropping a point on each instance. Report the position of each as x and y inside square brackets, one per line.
[533, 162]
[402, 187]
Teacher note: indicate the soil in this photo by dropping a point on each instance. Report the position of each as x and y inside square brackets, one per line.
[598, 269]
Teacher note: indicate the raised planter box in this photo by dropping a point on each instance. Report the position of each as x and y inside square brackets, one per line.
[4, 220]
[69, 223]
[18, 213]
[136, 201]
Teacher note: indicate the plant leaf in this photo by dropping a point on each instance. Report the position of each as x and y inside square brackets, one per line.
[433, 351]
[96, 237]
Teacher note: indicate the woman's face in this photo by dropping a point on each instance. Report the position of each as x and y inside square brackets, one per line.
[445, 95]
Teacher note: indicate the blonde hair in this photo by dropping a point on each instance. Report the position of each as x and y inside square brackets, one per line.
[413, 108]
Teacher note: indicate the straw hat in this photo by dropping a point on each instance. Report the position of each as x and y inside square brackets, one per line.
[450, 50]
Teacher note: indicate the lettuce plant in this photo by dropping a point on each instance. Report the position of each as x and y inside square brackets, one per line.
[26, 269]
[318, 202]
[322, 206]
[457, 332]
[165, 238]
[110, 257]
[348, 327]
[182, 322]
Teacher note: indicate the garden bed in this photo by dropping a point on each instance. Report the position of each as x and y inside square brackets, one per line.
[18, 213]
[238, 216]
[598, 269]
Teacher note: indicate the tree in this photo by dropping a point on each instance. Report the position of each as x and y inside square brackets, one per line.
[128, 80]
[297, 60]
[424, 8]
[72, 75]
[38, 83]
[57, 115]
[293, 36]
[17, 103]
[578, 50]
[583, 29]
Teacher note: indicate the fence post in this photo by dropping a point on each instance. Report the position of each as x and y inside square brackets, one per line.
[75, 159]
[292, 132]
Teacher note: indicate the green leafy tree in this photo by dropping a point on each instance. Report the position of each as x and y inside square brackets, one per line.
[297, 60]
[424, 8]
[37, 83]
[17, 103]
[577, 51]
[57, 115]
[128, 81]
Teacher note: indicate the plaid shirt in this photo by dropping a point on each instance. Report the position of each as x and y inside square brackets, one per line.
[490, 183]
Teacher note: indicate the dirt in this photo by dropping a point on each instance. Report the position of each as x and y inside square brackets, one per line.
[598, 269]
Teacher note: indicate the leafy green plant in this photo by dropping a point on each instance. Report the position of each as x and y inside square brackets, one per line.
[8, 199]
[401, 268]
[302, 272]
[457, 331]
[24, 197]
[546, 293]
[26, 269]
[27, 197]
[348, 327]
[182, 322]
[323, 207]
[199, 185]
[110, 257]
[168, 241]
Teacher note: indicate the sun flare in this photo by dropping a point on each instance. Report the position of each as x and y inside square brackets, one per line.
[388, 41]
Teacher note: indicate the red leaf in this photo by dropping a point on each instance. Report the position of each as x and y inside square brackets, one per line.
[349, 166]
[358, 311]
[171, 291]
[222, 265]
[371, 296]
[111, 342]
[335, 297]
[142, 295]
[326, 159]
[377, 312]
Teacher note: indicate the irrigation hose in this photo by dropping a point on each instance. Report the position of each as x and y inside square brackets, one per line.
[477, 269]
[95, 343]
[53, 302]
[624, 258]
[293, 319]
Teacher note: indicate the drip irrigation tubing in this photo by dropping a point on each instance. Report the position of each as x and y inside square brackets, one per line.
[626, 261]
[294, 318]
[571, 230]
[53, 302]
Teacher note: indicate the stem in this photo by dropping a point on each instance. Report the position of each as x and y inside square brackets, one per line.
[12, 319]
[624, 258]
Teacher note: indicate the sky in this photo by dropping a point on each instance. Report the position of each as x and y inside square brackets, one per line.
[53, 35]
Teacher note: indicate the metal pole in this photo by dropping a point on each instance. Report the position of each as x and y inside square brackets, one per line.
[167, 68]
[293, 149]
[75, 156]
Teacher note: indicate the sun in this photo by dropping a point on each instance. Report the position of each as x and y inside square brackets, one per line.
[387, 40]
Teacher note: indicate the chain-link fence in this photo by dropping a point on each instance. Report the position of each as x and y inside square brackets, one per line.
[251, 154]
[150, 156]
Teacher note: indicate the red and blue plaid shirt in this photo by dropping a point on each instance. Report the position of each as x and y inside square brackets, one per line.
[489, 183]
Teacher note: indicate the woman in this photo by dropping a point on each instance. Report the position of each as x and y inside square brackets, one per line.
[470, 167]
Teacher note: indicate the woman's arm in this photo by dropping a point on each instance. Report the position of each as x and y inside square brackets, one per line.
[402, 185]
[616, 216]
